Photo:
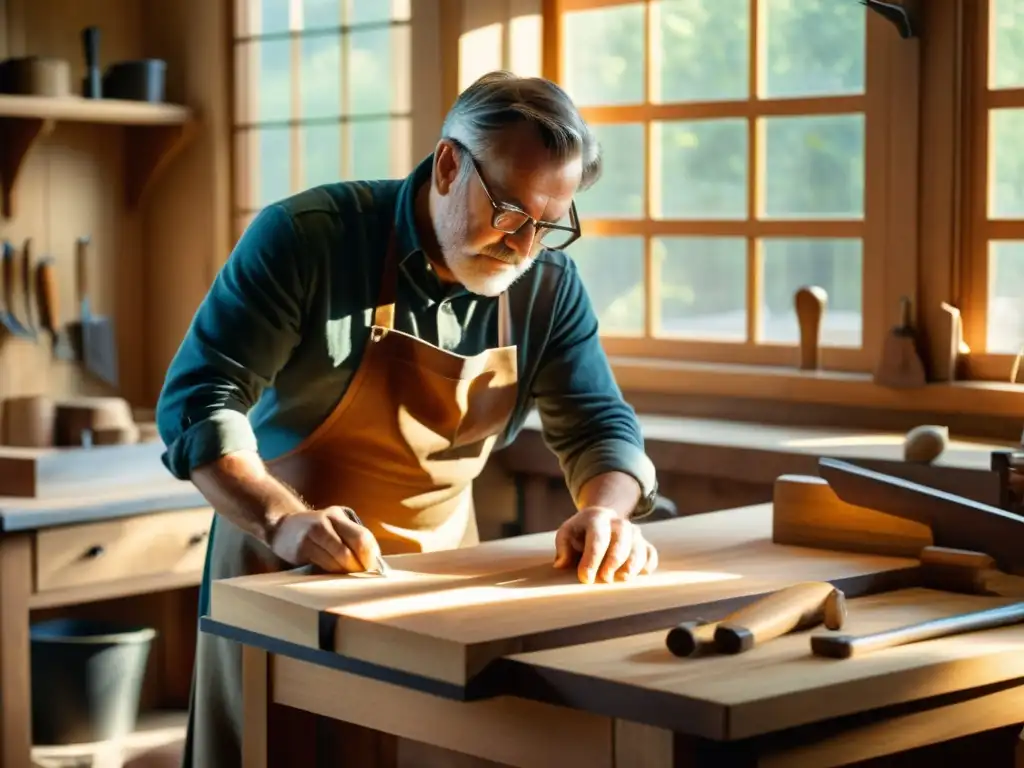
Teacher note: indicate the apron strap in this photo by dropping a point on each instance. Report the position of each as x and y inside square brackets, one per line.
[504, 321]
[384, 312]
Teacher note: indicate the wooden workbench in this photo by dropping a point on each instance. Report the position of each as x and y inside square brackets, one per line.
[487, 653]
[86, 553]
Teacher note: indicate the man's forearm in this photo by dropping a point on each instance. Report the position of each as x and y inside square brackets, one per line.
[612, 490]
[241, 489]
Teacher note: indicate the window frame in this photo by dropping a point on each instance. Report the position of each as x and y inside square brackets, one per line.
[873, 103]
[973, 168]
[244, 121]
[923, 117]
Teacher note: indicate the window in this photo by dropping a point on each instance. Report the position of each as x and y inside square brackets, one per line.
[994, 268]
[740, 139]
[322, 93]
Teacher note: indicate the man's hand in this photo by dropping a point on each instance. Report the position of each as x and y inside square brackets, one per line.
[604, 546]
[327, 538]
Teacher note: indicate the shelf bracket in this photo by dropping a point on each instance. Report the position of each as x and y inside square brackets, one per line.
[17, 135]
[150, 150]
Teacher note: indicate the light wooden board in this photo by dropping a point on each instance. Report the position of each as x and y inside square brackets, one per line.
[444, 616]
[780, 684]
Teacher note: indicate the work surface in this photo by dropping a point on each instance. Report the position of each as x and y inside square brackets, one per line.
[441, 618]
[778, 685]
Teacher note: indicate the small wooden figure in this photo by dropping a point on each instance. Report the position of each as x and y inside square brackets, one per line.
[900, 365]
[810, 301]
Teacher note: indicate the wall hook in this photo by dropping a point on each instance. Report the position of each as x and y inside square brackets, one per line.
[903, 16]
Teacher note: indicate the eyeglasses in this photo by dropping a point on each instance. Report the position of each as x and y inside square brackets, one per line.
[510, 219]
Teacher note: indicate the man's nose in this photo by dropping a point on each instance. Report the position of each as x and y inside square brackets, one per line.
[522, 241]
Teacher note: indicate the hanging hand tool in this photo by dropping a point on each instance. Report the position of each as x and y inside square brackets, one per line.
[10, 278]
[26, 287]
[92, 335]
[796, 607]
[49, 316]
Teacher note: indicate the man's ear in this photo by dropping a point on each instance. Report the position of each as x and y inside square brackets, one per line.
[446, 166]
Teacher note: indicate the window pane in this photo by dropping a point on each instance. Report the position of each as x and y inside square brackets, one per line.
[320, 14]
[1005, 297]
[1006, 180]
[814, 166]
[701, 50]
[612, 269]
[1007, 43]
[619, 193]
[272, 90]
[703, 285]
[375, 11]
[835, 265]
[275, 167]
[813, 48]
[603, 55]
[703, 169]
[371, 149]
[369, 72]
[268, 16]
[320, 84]
[321, 153]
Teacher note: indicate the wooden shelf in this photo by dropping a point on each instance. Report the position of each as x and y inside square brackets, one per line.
[154, 134]
[158, 732]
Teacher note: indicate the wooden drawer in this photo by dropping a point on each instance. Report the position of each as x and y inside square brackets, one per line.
[162, 543]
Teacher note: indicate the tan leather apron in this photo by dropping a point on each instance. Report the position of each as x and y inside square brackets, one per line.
[402, 448]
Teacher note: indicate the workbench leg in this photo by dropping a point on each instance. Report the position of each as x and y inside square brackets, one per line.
[636, 745]
[255, 708]
[273, 735]
[15, 668]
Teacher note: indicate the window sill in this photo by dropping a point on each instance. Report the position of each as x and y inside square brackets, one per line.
[674, 377]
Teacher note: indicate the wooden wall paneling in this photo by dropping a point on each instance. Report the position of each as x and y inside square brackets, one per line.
[15, 20]
[187, 222]
[902, 123]
[940, 189]
[71, 185]
[428, 83]
[3, 29]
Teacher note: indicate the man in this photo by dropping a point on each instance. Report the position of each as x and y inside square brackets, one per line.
[368, 344]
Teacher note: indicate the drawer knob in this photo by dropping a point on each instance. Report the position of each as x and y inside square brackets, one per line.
[94, 551]
[197, 539]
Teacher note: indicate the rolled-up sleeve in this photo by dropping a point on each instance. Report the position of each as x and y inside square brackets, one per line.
[241, 335]
[585, 420]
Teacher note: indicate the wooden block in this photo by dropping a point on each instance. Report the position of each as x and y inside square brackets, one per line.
[61, 472]
[807, 512]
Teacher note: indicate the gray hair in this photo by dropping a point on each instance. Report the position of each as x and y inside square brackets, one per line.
[500, 99]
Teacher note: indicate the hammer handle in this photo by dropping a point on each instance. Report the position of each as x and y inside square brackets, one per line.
[798, 606]
[848, 646]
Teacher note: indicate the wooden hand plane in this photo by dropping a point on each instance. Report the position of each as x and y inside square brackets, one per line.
[956, 522]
